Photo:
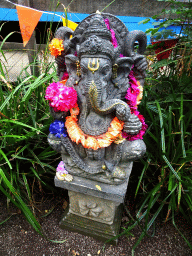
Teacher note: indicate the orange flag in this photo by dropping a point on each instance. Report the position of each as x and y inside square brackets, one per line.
[28, 19]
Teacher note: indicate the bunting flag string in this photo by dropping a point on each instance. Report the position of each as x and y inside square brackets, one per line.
[29, 17]
[69, 24]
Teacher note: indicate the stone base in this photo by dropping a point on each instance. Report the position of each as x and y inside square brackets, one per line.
[88, 227]
[115, 193]
[95, 208]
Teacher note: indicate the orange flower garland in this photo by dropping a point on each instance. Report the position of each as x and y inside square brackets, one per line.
[88, 141]
[140, 95]
[56, 47]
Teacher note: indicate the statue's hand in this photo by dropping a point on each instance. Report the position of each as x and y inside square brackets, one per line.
[60, 60]
[57, 115]
[140, 63]
[123, 111]
[133, 125]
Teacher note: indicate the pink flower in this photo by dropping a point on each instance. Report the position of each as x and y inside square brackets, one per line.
[61, 169]
[51, 91]
[113, 38]
[131, 97]
[61, 98]
[65, 76]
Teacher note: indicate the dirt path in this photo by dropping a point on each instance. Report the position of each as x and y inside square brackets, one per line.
[18, 238]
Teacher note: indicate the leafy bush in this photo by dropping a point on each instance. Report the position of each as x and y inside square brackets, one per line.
[25, 156]
[164, 186]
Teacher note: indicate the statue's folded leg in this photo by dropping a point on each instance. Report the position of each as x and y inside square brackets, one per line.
[133, 150]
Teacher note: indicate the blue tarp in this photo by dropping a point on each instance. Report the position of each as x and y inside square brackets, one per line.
[130, 22]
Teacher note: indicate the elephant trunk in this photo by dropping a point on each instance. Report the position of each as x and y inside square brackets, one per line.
[122, 109]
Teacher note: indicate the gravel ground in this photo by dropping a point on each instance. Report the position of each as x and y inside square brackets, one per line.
[17, 237]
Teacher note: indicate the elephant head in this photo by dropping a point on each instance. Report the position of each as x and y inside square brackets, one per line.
[99, 69]
[102, 70]
[102, 94]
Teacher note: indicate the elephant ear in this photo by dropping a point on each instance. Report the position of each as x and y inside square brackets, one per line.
[131, 38]
[140, 63]
[70, 61]
[63, 33]
[120, 75]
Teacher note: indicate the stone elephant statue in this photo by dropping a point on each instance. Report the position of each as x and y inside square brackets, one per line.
[98, 65]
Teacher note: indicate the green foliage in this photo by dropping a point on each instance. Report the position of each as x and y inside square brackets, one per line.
[27, 163]
[165, 183]
[164, 186]
[177, 14]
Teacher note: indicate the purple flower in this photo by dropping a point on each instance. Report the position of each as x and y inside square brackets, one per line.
[61, 169]
[58, 128]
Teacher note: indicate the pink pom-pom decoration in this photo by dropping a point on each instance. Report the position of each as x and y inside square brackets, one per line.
[61, 98]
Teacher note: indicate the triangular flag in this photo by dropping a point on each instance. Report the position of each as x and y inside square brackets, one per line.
[28, 19]
[70, 24]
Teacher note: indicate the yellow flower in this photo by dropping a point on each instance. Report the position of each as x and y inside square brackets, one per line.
[56, 47]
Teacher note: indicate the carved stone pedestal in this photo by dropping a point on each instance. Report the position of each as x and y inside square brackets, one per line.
[95, 208]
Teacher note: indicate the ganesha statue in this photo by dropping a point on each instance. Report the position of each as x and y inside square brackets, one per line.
[97, 129]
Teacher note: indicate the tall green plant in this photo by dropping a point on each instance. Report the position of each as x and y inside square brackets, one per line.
[25, 157]
[164, 187]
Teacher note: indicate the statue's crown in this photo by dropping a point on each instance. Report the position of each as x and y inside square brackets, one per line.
[97, 27]
[97, 39]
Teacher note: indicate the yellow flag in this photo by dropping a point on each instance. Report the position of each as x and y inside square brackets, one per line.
[72, 25]
[28, 19]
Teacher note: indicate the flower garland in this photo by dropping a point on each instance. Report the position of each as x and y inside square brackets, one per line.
[134, 93]
[113, 38]
[94, 142]
[133, 97]
[61, 98]
[56, 47]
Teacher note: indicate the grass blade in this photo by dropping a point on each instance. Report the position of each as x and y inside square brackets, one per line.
[6, 159]
[181, 126]
[171, 168]
[6, 219]
[161, 127]
[26, 211]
